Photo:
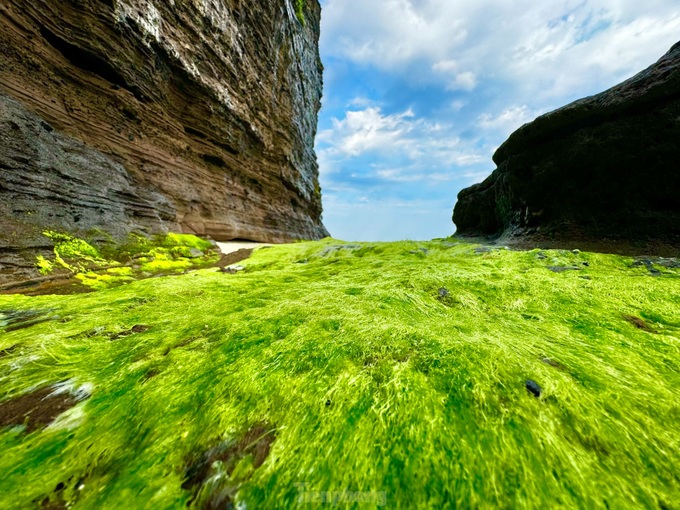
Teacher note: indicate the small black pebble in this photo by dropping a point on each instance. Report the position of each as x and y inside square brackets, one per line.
[328, 403]
[533, 388]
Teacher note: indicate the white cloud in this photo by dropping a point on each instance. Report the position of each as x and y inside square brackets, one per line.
[457, 80]
[473, 177]
[541, 50]
[360, 102]
[397, 175]
[393, 176]
[417, 140]
[445, 66]
[463, 81]
[367, 130]
[457, 106]
[387, 33]
[508, 120]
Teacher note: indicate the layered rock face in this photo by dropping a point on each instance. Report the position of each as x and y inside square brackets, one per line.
[602, 172]
[153, 115]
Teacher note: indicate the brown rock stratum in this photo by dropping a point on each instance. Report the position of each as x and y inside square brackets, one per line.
[152, 115]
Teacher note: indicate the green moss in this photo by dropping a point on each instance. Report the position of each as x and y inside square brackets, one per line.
[120, 271]
[139, 256]
[162, 262]
[299, 11]
[44, 266]
[72, 253]
[372, 381]
[100, 281]
[133, 246]
[183, 241]
[317, 191]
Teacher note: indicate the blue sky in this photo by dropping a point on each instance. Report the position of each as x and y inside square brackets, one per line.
[418, 94]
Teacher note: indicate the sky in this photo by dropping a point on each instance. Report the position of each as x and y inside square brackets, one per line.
[418, 94]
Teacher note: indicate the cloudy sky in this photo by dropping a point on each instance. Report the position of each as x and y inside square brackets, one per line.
[419, 93]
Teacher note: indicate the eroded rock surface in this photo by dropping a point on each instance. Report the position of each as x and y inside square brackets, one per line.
[148, 115]
[602, 172]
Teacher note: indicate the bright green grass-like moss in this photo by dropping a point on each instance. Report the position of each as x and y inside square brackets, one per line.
[70, 253]
[141, 257]
[380, 386]
[299, 11]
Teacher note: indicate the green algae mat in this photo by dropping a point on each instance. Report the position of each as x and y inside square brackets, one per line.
[400, 375]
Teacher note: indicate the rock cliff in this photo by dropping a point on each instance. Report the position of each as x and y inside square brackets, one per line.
[602, 172]
[150, 115]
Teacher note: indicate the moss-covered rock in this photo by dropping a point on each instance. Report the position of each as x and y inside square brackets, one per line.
[119, 263]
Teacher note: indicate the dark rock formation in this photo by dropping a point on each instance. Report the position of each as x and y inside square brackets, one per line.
[145, 115]
[602, 172]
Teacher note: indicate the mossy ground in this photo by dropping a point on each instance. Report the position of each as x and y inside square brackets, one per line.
[361, 374]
